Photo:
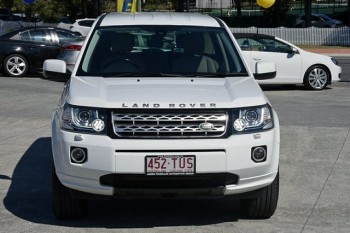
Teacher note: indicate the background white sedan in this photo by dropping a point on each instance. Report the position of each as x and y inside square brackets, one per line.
[294, 65]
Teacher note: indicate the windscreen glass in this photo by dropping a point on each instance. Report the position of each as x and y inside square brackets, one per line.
[161, 51]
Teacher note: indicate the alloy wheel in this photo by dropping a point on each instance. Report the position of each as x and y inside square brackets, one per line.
[16, 66]
[318, 78]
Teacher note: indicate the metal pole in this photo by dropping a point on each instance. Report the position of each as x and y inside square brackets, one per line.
[308, 11]
[139, 5]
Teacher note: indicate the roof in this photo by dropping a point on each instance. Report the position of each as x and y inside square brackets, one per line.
[159, 18]
[252, 35]
[16, 30]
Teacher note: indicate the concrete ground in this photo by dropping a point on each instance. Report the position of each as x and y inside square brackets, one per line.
[314, 171]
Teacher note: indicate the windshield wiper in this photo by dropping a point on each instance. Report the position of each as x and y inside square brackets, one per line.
[222, 74]
[133, 74]
[150, 74]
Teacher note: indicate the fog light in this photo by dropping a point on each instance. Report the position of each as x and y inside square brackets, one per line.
[259, 154]
[78, 155]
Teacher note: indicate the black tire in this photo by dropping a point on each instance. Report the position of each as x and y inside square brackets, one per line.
[316, 77]
[64, 205]
[263, 206]
[15, 65]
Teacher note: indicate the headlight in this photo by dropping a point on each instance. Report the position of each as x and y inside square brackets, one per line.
[83, 119]
[334, 61]
[253, 119]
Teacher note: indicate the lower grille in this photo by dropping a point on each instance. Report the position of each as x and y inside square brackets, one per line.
[208, 180]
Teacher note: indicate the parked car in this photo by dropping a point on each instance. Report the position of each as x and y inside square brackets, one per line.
[69, 53]
[82, 26]
[179, 115]
[319, 20]
[24, 50]
[294, 65]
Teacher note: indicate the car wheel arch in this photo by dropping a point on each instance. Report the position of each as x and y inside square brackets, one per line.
[329, 74]
[15, 53]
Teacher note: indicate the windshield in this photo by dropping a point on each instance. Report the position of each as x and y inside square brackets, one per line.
[161, 51]
[325, 17]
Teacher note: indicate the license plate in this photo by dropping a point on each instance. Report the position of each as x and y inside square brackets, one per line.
[170, 165]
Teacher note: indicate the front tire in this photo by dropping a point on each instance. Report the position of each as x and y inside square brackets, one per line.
[64, 205]
[15, 65]
[316, 77]
[263, 206]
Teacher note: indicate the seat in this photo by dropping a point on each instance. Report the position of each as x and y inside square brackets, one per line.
[121, 58]
[191, 57]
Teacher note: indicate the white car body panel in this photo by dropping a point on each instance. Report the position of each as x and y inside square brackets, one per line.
[104, 158]
[134, 92]
[127, 156]
[83, 30]
[291, 67]
[159, 18]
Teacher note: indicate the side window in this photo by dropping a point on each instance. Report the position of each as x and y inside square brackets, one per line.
[65, 36]
[272, 45]
[257, 45]
[38, 35]
[244, 43]
[86, 23]
[21, 36]
[24, 35]
[315, 18]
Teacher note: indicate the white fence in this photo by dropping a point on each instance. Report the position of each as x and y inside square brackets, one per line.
[312, 36]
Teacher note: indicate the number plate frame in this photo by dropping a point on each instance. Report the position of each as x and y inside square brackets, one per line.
[170, 158]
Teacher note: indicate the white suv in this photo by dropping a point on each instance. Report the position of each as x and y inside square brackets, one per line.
[163, 105]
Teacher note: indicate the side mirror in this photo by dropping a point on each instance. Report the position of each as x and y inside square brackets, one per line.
[55, 69]
[265, 70]
[294, 51]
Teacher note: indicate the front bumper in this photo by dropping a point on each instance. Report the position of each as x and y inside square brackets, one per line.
[108, 156]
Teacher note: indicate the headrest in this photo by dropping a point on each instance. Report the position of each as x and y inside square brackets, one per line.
[191, 42]
[122, 42]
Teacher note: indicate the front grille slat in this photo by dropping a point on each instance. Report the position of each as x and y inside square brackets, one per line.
[158, 125]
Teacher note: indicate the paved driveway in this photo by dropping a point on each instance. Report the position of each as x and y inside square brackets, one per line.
[314, 166]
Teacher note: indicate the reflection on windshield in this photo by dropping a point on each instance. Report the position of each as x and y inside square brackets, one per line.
[147, 51]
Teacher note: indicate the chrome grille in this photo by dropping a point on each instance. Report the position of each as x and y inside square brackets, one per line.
[158, 125]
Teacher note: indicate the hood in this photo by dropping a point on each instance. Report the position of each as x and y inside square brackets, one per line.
[315, 57]
[165, 92]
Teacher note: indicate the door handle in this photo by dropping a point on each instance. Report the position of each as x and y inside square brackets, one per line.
[256, 59]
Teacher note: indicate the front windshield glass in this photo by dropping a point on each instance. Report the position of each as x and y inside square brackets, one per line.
[161, 51]
[324, 17]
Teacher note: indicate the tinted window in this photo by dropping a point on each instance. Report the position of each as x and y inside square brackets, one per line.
[66, 35]
[86, 23]
[38, 35]
[264, 45]
[32, 35]
[150, 50]
[315, 18]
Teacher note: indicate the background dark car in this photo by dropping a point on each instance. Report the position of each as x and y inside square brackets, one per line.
[24, 50]
[319, 20]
